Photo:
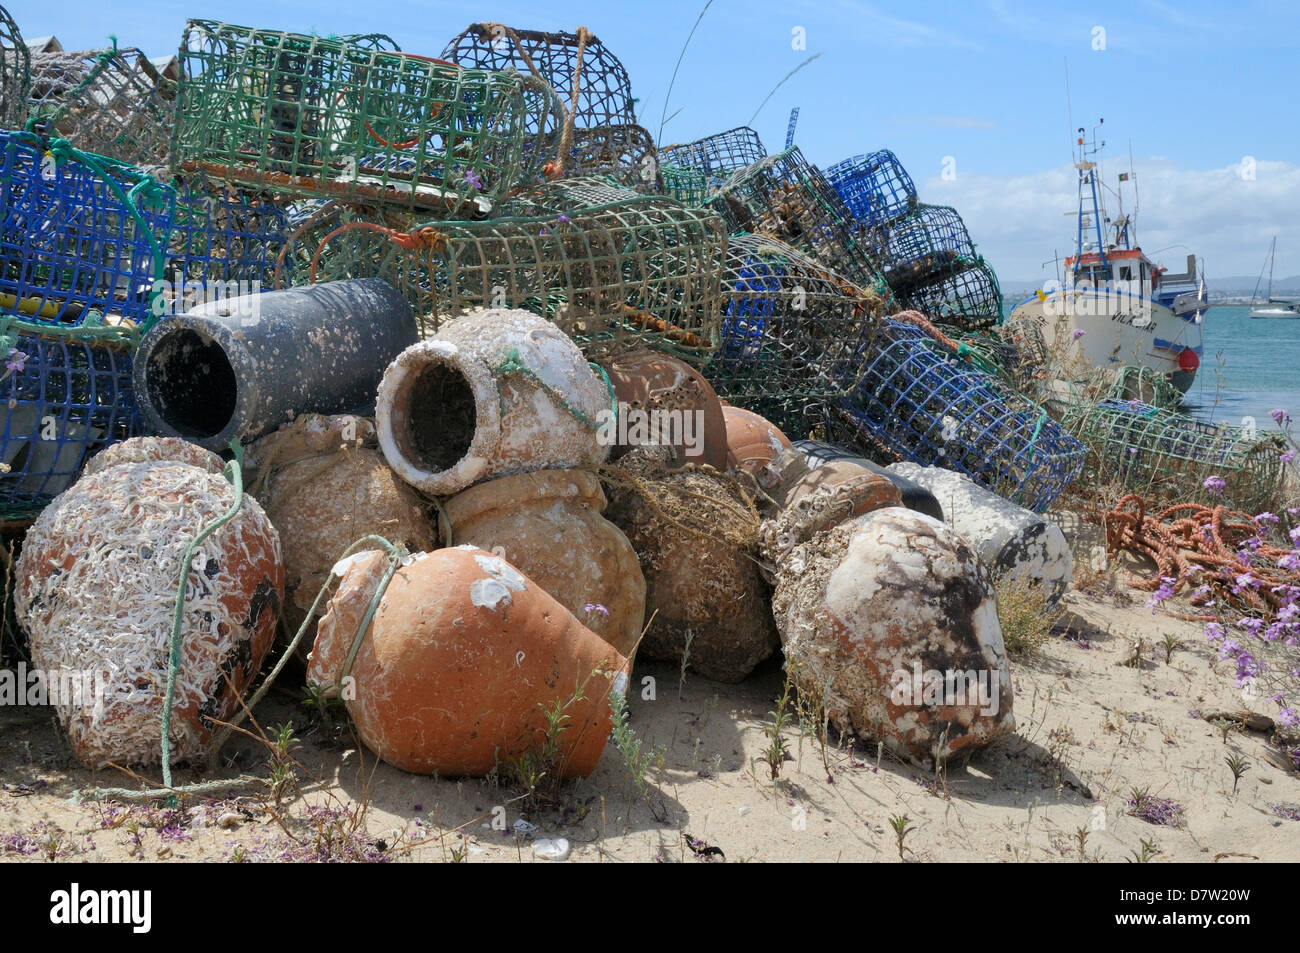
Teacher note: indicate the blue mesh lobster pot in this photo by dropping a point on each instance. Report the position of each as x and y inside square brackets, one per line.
[224, 244]
[966, 296]
[918, 401]
[74, 245]
[875, 187]
[716, 157]
[913, 249]
[793, 333]
[67, 394]
[785, 196]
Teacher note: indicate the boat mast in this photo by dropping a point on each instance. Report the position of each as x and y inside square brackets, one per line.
[1088, 176]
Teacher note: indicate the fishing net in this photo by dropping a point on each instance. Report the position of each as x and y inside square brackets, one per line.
[111, 102]
[786, 197]
[918, 399]
[15, 73]
[68, 393]
[1137, 381]
[604, 92]
[640, 271]
[688, 186]
[716, 157]
[967, 296]
[224, 242]
[875, 187]
[590, 84]
[81, 236]
[793, 333]
[1169, 457]
[341, 118]
[913, 249]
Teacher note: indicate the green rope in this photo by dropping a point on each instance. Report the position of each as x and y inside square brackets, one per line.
[514, 364]
[147, 187]
[232, 472]
[1038, 428]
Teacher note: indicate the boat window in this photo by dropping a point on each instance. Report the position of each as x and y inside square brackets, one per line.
[1126, 273]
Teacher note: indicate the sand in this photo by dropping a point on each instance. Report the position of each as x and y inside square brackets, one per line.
[1091, 730]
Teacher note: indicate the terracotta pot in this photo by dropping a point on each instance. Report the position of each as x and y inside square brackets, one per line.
[462, 654]
[96, 589]
[650, 387]
[548, 525]
[493, 393]
[699, 572]
[794, 481]
[752, 441]
[141, 449]
[875, 613]
[325, 485]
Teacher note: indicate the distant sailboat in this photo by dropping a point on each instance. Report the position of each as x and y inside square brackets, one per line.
[1272, 307]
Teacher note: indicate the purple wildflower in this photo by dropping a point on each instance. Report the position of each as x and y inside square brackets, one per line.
[16, 361]
[1280, 417]
[472, 179]
[1078, 333]
[1215, 485]
[562, 218]
[591, 607]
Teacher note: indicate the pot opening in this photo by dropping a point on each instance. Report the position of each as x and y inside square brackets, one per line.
[441, 417]
[191, 383]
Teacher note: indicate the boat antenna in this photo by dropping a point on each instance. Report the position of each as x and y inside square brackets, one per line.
[1132, 219]
[1069, 109]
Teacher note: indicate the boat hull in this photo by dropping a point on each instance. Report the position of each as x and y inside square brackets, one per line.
[1117, 329]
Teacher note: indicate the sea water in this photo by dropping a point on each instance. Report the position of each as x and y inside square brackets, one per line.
[1249, 368]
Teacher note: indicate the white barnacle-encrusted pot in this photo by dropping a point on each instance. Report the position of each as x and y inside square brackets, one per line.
[890, 619]
[96, 591]
[494, 393]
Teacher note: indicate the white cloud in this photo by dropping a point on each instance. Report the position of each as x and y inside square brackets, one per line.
[1019, 220]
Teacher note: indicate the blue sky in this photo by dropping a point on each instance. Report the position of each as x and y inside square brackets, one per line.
[1198, 89]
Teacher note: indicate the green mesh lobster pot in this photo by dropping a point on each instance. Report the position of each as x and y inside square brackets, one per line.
[966, 295]
[786, 197]
[914, 249]
[793, 333]
[1134, 447]
[637, 271]
[919, 400]
[81, 236]
[688, 186]
[1147, 385]
[718, 156]
[341, 118]
[15, 73]
[67, 394]
[110, 102]
[605, 136]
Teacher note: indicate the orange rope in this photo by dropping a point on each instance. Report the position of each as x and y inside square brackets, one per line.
[418, 240]
[1187, 537]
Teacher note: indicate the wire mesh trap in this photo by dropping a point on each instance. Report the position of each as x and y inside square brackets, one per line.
[716, 157]
[967, 297]
[793, 333]
[75, 248]
[68, 394]
[875, 187]
[224, 242]
[341, 118]
[641, 271]
[15, 73]
[1147, 385]
[786, 197]
[915, 248]
[1168, 457]
[110, 102]
[918, 400]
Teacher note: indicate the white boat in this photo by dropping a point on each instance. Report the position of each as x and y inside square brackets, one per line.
[1273, 307]
[1115, 305]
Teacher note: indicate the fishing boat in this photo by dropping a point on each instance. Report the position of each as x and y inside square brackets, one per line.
[1115, 304]
[1273, 307]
